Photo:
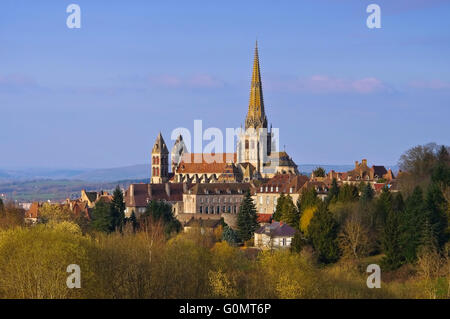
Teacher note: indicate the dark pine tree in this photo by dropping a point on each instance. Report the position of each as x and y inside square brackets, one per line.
[391, 240]
[289, 213]
[412, 223]
[118, 210]
[133, 221]
[333, 193]
[367, 194]
[101, 217]
[323, 233]
[246, 219]
[437, 218]
[278, 209]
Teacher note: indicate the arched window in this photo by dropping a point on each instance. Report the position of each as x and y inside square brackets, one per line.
[246, 144]
[157, 171]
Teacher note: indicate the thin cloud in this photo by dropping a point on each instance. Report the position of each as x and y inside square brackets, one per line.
[430, 85]
[319, 84]
[16, 82]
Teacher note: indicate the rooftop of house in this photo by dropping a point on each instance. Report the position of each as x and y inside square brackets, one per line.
[219, 188]
[139, 195]
[282, 183]
[277, 229]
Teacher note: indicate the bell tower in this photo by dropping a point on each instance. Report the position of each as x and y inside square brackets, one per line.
[160, 161]
[254, 144]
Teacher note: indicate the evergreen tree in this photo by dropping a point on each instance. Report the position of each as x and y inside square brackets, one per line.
[229, 235]
[133, 221]
[437, 218]
[319, 172]
[348, 193]
[367, 194]
[298, 242]
[333, 193]
[412, 222]
[398, 204]
[246, 219]
[308, 198]
[118, 210]
[162, 211]
[323, 233]
[382, 207]
[289, 213]
[391, 241]
[278, 209]
[101, 217]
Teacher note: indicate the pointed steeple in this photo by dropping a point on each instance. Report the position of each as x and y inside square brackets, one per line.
[256, 116]
[160, 145]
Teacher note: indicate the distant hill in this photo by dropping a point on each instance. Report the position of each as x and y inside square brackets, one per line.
[139, 171]
[56, 190]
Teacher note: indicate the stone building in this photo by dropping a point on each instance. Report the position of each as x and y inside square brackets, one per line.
[137, 197]
[214, 201]
[266, 195]
[276, 235]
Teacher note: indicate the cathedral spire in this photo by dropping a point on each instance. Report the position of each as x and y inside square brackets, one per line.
[256, 116]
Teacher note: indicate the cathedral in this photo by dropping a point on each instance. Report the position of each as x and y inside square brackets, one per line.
[257, 153]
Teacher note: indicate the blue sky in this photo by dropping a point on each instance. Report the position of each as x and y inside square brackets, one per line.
[338, 91]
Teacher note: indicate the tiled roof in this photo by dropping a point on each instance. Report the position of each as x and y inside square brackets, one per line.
[277, 229]
[192, 163]
[219, 188]
[143, 193]
[264, 218]
[379, 170]
[281, 183]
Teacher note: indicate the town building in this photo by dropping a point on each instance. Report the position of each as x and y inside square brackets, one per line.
[265, 196]
[276, 235]
[137, 197]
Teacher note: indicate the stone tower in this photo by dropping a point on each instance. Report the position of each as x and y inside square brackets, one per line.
[256, 117]
[178, 149]
[160, 161]
[255, 142]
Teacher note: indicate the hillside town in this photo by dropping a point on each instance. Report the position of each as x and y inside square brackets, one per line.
[203, 193]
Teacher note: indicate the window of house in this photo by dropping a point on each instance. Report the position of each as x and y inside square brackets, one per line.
[246, 144]
[271, 188]
[290, 190]
[218, 210]
[283, 243]
[260, 199]
[229, 209]
[267, 200]
[206, 210]
[262, 188]
[200, 210]
[276, 189]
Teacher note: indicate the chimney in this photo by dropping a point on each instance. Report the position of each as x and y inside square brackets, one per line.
[167, 185]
